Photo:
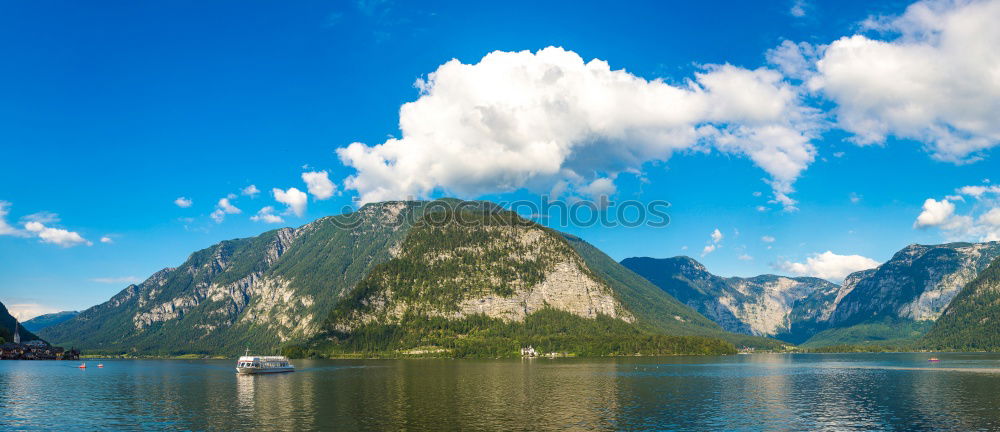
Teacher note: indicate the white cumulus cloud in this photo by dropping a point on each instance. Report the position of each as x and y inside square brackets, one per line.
[767, 239]
[828, 265]
[978, 220]
[977, 191]
[935, 213]
[250, 191]
[57, 236]
[932, 78]
[991, 217]
[183, 202]
[224, 207]
[533, 120]
[107, 240]
[267, 215]
[295, 199]
[319, 185]
[716, 236]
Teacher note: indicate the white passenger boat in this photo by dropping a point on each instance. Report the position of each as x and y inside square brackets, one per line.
[249, 364]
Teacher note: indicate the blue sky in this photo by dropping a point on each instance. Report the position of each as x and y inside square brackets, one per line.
[111, 113]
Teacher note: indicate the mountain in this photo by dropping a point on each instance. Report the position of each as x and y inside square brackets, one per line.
[486, 284]
[767, 305]
[895, 303]
[971, 322]
[393, 277]
[257, 292]
[899, 301]
[7, 322]
[655, 308]
[42, 321]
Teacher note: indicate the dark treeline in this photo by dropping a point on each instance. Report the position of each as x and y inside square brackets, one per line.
[972, 320]
[480, 336]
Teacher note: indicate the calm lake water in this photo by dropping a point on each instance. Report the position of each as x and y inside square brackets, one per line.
[754, 392]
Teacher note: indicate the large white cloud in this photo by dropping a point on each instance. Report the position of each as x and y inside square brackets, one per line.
[295, 199]
[57, 236]
[536, 120]
[319, 185]
[828, 265]
[979, 220]
[934, 78]
[935, 213]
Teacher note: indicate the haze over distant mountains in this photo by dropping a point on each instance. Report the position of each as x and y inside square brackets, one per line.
[47, 320]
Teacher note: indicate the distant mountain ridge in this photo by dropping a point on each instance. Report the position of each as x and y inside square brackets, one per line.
[917, 283]
[766, 305]
[893, 303]
[47, 320]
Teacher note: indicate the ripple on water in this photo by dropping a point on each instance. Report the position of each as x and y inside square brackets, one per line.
[771, 392]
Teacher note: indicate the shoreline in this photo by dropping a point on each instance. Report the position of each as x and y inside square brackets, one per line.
[430, 357]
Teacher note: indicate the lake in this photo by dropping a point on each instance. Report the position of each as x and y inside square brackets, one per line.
[747, 392]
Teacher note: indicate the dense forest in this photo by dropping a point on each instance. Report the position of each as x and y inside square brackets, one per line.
[480, 336]
[972, 320]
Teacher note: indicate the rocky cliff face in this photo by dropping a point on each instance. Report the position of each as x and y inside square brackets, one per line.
[972, 319]
[917, 284]
[498, 266]
[258, 292]
[766, 305]
[372, 265]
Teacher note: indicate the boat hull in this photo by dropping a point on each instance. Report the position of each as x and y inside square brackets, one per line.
[258, 371]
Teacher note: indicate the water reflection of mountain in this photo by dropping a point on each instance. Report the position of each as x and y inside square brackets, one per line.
[757, 392]
[473, 395]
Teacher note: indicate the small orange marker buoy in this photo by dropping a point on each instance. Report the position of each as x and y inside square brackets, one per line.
[933, 359]
[100, 365]
[82, 366]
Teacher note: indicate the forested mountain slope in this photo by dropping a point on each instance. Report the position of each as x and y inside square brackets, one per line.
[972, 320]
[371, 270]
